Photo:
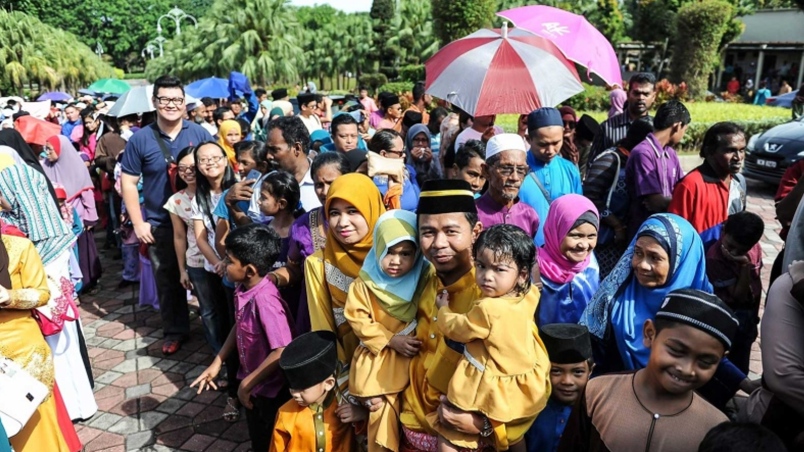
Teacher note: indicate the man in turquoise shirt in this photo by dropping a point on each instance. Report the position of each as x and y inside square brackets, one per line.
[551, 175]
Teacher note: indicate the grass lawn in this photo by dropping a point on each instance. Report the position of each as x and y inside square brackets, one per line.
[754, 119]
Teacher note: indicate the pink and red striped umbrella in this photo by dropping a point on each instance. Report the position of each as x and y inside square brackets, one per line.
[499, 71]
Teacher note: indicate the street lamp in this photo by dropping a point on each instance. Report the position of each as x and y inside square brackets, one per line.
[149, 49]
[176, 15]
[159, 40]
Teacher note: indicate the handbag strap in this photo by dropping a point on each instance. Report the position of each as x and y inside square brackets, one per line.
[541, 187]
[165, 152]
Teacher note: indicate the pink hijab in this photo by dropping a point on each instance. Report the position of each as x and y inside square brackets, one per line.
[561, 218]
[70, 172]
[617, 96]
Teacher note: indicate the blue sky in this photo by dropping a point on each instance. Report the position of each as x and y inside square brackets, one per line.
[344, 5]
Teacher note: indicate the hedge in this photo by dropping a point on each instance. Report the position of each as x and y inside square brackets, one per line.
[754, 119]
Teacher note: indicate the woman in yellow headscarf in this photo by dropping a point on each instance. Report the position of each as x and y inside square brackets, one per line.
[352, 208]
[229, 134]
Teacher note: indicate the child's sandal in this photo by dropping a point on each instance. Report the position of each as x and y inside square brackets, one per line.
[232, 411]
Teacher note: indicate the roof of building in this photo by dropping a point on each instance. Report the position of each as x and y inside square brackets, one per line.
[773, 26]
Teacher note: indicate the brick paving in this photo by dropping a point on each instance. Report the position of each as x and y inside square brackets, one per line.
[144, 400]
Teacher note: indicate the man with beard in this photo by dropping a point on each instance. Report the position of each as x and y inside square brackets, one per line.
[551, 175]
[641, 94]
[716, 189]
[505, 168]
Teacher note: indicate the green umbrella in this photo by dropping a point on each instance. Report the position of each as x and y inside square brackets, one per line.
[109, 86]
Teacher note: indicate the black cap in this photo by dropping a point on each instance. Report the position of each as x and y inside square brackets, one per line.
[309, 359]
[446, 196]
[700, 310]
[586, 128]
[566, 343]
[279, 93]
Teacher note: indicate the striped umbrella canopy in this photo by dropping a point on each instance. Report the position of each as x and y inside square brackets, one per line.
[499, 71]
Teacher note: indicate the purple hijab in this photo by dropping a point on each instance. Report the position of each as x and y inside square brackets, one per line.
[563, 214]
[617, 97]
[70, 172]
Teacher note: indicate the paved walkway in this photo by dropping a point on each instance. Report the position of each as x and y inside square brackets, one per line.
[144, 399]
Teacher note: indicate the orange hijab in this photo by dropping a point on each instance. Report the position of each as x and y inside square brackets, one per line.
[359, 191]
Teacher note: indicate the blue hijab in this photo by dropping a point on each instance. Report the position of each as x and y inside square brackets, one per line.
[394, 294]
[625, 304]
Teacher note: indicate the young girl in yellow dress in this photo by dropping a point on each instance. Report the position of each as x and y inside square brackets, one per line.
[503, 373]
[381, 308]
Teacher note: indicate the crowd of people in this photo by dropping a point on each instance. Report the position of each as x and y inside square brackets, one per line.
[403, 276]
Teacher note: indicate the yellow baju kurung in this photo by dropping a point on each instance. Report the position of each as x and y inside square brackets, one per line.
[21, 340]
[312, 429]
[326, 312]
[377, 370]
[504, 371]
[431, 370]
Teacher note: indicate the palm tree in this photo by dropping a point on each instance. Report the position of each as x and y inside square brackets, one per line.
[257, 37]
[32, 52]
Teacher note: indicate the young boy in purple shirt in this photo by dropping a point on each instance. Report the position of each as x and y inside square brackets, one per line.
[262, 330]
[653, 168]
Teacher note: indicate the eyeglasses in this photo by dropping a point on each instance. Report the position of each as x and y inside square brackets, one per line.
[508, 170]
[421, 140]
[211, 160]
[569, 124]
[397, 153]
[186, 169]
[165, 101]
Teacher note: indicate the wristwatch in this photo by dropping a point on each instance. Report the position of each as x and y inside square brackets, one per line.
[488, 429]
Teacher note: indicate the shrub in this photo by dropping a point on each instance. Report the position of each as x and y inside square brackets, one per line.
[701, 25]
[454, 19]
[398, 88]
[668, 91]
[593, 98]
[372, 81]
[412, 73]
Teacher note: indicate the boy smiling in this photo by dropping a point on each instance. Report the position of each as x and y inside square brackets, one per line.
[656, 408]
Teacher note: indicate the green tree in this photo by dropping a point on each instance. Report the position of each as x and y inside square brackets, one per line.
[415, 35]
[609, 20]
[454, 19]
[123, 27]
[32, 52]
[702, 24]
[257, 37]
[383, 16]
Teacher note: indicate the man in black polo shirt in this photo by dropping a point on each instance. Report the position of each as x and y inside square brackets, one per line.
[144, 157]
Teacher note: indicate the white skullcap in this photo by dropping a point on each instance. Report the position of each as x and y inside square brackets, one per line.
[505, 142]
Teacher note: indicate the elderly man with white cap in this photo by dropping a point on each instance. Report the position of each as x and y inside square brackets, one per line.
[505, 169]
[551, 175]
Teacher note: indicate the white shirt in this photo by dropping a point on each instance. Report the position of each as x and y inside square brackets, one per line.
[312, 123]
[472, 134]
[308, 198]
[211, 128]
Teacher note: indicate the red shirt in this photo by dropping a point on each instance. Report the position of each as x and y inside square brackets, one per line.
[703, 199]
[789, 180]
[723, 273]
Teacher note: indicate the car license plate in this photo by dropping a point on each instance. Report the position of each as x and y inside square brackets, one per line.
[766, 163]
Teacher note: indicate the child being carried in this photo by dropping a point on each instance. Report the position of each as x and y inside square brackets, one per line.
[504, 370]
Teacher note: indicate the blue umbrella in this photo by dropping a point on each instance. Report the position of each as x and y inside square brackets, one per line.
[214, 87]
[55, 96]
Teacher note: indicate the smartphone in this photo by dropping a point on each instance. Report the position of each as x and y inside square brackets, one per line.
[253, 175]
